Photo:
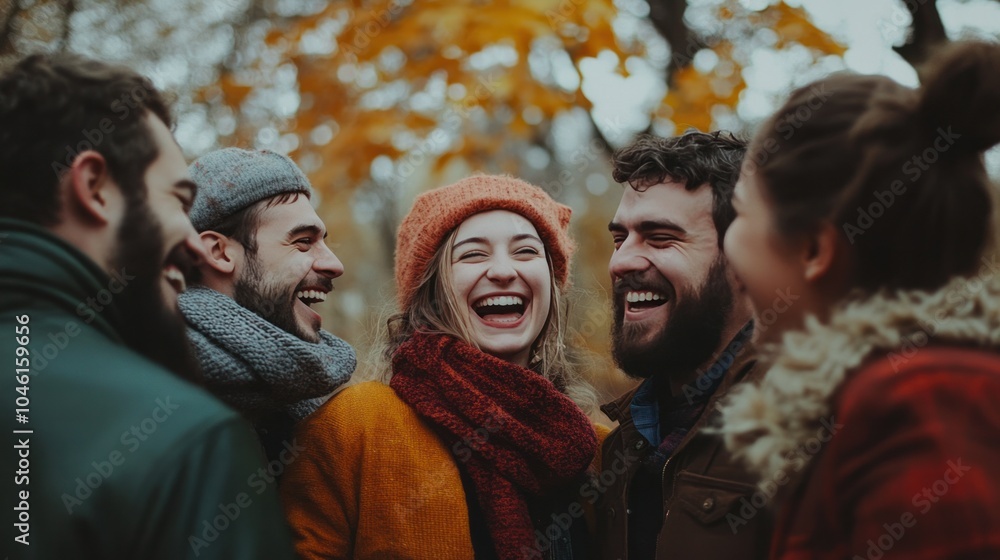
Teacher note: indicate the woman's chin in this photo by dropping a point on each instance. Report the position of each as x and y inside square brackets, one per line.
[513, 352]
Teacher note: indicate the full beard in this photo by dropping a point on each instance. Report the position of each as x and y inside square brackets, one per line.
[691, 335]
[274, 303]
[150, 328]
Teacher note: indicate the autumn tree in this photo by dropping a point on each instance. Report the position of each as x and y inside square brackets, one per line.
[378, 100]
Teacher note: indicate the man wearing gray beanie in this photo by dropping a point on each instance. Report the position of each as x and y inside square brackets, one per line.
[250, 317]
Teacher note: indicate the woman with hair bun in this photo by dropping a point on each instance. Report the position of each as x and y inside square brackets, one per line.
[473, 443]
[877, 425]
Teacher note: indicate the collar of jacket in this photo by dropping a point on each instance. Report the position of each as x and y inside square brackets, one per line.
[619, 408]
[762, 423]
[37, 264]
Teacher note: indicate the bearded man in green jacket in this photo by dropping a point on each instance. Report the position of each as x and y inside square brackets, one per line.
[114, 452]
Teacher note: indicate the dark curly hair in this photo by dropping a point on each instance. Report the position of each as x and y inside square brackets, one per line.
[54, 106]
[693, 159]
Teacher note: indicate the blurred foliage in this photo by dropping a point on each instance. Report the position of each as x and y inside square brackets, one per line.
[433, 90]
[471, 80]
[379, 100]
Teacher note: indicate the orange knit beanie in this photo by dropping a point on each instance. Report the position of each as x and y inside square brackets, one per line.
[437, 212]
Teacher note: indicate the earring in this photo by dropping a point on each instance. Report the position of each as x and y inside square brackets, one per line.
[536, 357]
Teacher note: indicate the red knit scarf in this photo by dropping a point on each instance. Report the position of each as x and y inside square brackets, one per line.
[511, 430]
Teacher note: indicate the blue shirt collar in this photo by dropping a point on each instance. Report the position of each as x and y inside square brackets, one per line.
[645, 407]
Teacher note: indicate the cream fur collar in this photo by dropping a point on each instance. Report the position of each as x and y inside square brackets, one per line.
[764, 423]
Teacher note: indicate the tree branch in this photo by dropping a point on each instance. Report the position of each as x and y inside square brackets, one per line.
[926, 33]
[69, 8]
[667, 17]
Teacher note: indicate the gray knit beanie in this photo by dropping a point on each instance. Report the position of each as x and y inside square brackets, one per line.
[232, 179]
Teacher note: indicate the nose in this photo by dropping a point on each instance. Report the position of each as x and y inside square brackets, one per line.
[327, 263]
[501, 270]
[728, 243]
[627, 259]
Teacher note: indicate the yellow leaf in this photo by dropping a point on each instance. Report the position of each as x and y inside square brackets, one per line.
[793, 25]
[233, 91]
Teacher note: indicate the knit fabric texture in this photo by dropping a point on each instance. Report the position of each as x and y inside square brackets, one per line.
[376, 481]
[536, 441]
[437, 212]
[256, 366]
[232, 179]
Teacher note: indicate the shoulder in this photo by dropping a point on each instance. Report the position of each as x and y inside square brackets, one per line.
[937, 403]
[902, 422]
[371, 401]
[149, 386]
[127, 389]
[911, 375]
[371, 407]
[370, 394]
[368, 428]
[620, 408]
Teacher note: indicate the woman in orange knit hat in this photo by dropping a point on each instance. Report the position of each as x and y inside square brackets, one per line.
[475, 447]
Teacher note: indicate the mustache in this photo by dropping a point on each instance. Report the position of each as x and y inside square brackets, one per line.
[317, 281]
[645, 280]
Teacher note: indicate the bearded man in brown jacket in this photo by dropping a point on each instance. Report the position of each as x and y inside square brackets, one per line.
[668, 488]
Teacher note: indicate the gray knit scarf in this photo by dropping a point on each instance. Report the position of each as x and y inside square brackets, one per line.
[257, 367]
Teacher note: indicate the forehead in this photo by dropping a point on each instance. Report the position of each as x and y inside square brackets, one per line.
[495, 224]
[671, 201]
[281, 218]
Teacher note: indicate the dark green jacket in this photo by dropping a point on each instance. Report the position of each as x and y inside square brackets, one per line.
[125, 460]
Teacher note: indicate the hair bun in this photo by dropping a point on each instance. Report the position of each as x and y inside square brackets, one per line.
[961, 90]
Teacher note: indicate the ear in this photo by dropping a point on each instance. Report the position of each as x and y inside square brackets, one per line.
[91, 190]
[220, 252]
[820, 252]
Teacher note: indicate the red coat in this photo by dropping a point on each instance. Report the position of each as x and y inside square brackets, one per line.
[913, 471]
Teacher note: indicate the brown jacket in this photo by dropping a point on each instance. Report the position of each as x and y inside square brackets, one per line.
[709, 505]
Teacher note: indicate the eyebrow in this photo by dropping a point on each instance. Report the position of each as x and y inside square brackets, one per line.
[483, 240]
[649, 225]
[310, 229]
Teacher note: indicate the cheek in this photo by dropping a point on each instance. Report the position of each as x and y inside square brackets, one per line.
[682, 269]
[764, 270]
[464, 277]
[749, 248]
[541, 287]
[737, 247]
[282, 267]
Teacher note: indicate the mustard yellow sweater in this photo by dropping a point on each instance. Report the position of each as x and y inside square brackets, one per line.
[375, 482]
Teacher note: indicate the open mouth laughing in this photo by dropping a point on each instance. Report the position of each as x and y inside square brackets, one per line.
[641, 304]
[175, 278]
[501, 310]
[179, 269]
[310, 297]
[305, 297]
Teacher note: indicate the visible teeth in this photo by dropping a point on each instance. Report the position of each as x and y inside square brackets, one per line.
[311, 294]
[501, 300]
[176, 275]
[633, 297]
